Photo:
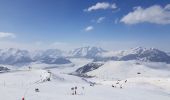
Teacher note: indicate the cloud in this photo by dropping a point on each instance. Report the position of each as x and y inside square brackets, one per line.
[37, 45]
[89, 28]
[101, 6]
[7, 35]
[154, 14]
[100, 19]
[167, 7]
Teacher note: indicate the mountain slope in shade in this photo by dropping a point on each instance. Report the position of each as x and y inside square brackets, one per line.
[87, 52]
[89, 67]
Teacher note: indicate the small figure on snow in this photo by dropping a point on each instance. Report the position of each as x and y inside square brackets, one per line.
[125, 81]
[91, 84]
[37, 90]
[48, 79]
[117, 82]
[75, 88]
[29, 68]
[72, 90]
[113, 86]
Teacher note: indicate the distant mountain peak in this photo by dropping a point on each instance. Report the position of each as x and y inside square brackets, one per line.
[87, 51]
[12, 56]
[138, 53]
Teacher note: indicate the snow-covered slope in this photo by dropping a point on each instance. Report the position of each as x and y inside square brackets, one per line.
[87, 52]
[129, 69]
[22, 83]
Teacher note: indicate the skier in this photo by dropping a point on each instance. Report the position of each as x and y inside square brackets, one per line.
[91, 84]
[29, 68]
[125, 81]
[23, 98]
[37, 90]
[72, 90]
[75, 92]
[113, 86]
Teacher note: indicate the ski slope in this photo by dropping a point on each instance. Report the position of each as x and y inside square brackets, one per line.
[22, 83]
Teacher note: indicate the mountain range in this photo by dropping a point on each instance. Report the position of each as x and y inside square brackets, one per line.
[86, 52]
[138, 53]
[13, 56]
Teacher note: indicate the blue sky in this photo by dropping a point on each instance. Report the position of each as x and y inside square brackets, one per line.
[65, 24]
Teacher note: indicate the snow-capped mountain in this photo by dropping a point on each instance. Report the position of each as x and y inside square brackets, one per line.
[168, 53]
[144, 54]
[51, 53]
[14, 56]
[139, 53]
[87, 52]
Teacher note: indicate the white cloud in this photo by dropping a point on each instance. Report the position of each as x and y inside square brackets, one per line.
[36, 45]
[89, 28]
[167, 7]
[154, 14]
[7, 35]
[100, 19]
[101, 5]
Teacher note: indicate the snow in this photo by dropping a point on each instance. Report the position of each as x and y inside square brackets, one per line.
[122, 53]
[128, 69]
[88, 52]
[151, 83]
[139, 53]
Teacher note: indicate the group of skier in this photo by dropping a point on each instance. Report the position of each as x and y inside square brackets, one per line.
[119, 84]
[75, 89]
